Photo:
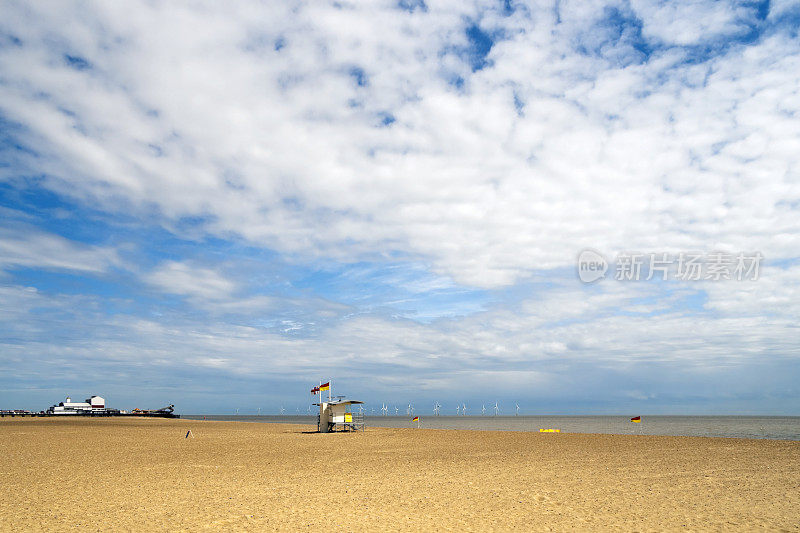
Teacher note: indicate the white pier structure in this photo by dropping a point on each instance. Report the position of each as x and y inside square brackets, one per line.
[95, 404]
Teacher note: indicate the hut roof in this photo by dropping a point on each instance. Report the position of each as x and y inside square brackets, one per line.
[340, 402]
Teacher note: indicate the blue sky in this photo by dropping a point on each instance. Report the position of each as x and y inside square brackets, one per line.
[218, 206]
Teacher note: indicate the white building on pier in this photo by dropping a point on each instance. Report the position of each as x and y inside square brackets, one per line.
[95, 404]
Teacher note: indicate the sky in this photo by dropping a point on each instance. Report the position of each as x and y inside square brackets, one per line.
[218, 205]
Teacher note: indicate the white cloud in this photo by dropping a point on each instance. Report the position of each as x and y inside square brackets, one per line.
[692, 22]
[548, 345]
[195, 112]
[250, 120]
[174, 277]
[26, 247]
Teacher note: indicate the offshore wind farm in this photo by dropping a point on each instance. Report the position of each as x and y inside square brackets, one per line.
[748, 427]
[731, 426]
[388, 415]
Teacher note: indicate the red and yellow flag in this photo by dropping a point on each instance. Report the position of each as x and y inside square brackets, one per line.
[415, 419]
[636, 419]
[325, 386]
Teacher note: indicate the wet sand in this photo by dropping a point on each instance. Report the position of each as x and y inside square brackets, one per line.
[142, 474]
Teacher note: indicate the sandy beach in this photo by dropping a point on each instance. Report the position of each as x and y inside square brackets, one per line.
[143, 474]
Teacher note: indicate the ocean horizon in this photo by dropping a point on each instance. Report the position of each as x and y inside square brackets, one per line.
[726, 426]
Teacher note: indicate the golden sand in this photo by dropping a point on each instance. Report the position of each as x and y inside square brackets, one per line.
[142, 474]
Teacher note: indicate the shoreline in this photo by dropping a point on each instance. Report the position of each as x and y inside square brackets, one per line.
[698, 426]
[313, 426]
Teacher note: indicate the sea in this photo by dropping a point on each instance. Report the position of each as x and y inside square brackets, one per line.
[743, 427]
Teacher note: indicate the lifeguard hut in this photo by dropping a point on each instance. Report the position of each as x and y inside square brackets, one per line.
[336, 414]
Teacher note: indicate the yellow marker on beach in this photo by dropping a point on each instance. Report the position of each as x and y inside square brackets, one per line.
[549, 430]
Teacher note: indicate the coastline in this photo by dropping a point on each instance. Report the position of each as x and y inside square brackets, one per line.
[733, 426]
[144, 474]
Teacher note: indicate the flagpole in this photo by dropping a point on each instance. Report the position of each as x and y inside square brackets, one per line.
[329, 391]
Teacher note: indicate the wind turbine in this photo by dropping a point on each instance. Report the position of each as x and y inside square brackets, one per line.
[384, 409]
[396, 410]
[282, 410]
[259, 411]
[436, 408]
[463, 409]
[458, 410]
[483, 409]
[237, 411]
[496, 409]
[517, 409]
